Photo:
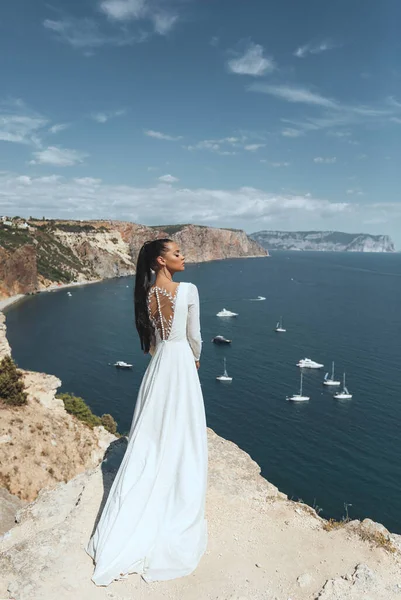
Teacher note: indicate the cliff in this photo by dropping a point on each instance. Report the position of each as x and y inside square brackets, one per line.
[40, 443]
[328, 241]
[262, 546]
[54, 251]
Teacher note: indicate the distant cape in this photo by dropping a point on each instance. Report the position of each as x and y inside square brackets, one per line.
[324, 241]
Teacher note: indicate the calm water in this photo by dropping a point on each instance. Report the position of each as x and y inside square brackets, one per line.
[342, 307]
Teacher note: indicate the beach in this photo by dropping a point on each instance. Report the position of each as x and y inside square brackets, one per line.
[5, 302]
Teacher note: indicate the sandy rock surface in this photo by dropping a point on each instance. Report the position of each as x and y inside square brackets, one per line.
[262, 546]
[41, 444]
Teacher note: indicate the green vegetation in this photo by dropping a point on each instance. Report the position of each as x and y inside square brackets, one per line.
[12, 390]
[76, 227]
[11, 238]
[109, 423]
[55, 261]
[172, 229]
[75, 405]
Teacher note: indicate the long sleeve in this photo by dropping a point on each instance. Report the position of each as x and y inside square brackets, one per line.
[193, 322]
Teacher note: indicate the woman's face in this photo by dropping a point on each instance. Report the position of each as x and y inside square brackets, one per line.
[172, 258]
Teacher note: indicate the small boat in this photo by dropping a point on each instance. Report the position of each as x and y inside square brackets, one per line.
[69, 294]
[344, 394]
[258, 299]
[226, 313]
[330, 380]
[120, 364]
[225, 376]
[307, 363]
[299, 397]
[279, 326]
[220, 339]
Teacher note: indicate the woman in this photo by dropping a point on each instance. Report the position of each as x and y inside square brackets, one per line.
[153, 521]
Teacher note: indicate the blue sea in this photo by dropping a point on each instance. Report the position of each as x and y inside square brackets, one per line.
[335, 306]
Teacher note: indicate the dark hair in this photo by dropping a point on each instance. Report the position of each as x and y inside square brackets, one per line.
[146, 262]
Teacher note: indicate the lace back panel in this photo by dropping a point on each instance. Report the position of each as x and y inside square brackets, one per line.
[161, 306]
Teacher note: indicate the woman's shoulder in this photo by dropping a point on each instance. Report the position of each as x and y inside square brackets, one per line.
[191, 291]
[190, 286]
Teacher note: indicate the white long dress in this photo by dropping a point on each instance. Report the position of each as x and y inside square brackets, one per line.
[153, 522]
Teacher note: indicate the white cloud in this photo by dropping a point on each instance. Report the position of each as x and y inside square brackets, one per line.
[24, 179]
[103, 117]
[60, 157]
[279, 165]
[133, 10]
[58, 127]
[252, 62]
[218, 146]
[334, 115]
[168, 179]
[253, 147]
[326, 161]
[294, 94]
[311, 48]
[158, 135]
[87, 181]
[244, 207]
[84, 197]
[122, 10]
[290, 132]
[355, 192]
[164, 22]
[340, 134]
[86, 33]
[19, 124]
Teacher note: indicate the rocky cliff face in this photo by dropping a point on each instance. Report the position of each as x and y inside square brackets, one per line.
[40, 443]
[18, 270]
[66, 251]
[329, 241]
[201, 244]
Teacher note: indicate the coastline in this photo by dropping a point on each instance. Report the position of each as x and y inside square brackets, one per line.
[6, 302]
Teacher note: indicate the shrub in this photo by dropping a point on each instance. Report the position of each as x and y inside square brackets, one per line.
[109, 423]
[76, 406]
[11, 385]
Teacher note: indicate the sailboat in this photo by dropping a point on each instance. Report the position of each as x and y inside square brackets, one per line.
[279, 326]
[225, 376]
[330, 380]
[299, 397]
[344, 394]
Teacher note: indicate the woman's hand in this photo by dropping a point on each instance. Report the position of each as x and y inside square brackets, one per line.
[197, 363]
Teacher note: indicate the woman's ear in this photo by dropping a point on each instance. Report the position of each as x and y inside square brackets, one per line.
[160, 261]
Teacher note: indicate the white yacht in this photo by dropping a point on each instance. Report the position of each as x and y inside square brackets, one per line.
[344, 394]
[226, 313]
[220, 339]
[225, 376]
[299, 397]
[279, 326]
[331, 380]
[307, 363]
[120, 364]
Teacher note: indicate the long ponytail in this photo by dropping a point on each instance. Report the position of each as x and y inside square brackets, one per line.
[146, 262]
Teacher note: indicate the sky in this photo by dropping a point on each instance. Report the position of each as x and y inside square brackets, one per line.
[251, 114]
